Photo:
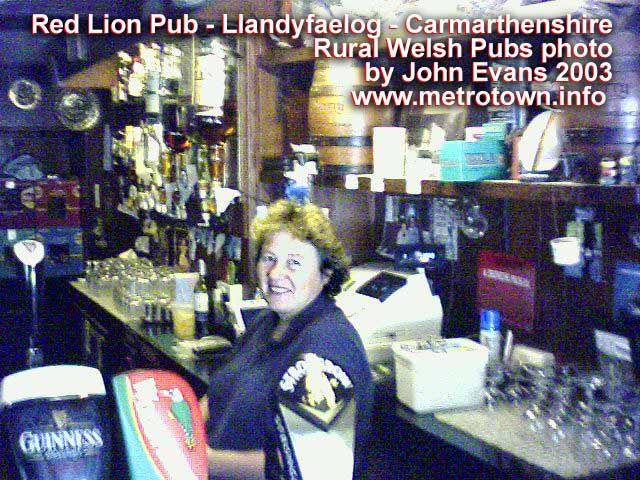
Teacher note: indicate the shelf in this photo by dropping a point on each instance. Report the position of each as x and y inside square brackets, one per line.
[560, 192]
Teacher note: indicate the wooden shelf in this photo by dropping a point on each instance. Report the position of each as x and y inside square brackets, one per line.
[560, 192]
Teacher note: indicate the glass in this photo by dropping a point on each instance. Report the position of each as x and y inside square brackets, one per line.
[473, 222]
[184, 321]
[571, 411]
[177, 142]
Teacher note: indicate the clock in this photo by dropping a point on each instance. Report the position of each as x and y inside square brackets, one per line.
[25, 94]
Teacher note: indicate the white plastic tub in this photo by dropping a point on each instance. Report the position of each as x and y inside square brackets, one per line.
[452, 376]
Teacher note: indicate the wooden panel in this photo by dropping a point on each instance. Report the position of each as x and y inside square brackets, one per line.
[259, 135]
[353, 215]
[567, 309]
[102, 74]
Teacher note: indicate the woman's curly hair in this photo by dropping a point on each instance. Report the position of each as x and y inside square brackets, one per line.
[308, 223]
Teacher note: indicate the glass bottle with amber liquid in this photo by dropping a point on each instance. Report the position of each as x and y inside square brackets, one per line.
[216, 164]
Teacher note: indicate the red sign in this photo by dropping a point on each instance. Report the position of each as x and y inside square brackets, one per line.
[507, 284]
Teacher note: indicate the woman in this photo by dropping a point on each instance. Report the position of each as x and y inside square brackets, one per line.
[301, 355]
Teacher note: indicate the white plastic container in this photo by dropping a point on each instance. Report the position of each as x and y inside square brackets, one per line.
[452, 376]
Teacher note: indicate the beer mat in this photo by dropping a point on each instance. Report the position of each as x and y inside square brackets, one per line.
[506, 429]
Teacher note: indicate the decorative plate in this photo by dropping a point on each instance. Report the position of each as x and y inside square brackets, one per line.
[25, 94]
[77, 109]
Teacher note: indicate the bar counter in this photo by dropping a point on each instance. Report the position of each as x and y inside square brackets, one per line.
[497, 438]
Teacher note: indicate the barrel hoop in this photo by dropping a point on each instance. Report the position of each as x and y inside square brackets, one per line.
[339, 91]
[355, 141]
[345, 169]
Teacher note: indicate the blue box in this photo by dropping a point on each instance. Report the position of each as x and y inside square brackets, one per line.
[462, 161]
[10, 266]
[63, 251]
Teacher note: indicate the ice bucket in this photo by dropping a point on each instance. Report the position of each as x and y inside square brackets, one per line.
[450, 376]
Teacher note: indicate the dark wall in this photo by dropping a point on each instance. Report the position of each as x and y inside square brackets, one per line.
[566, 309]
[40, 118]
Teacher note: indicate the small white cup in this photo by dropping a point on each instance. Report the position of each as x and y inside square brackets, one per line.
[566, 250]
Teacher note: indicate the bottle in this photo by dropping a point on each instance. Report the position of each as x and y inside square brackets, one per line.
[216, 164]
[490, 335]
[201, 302]
[221, 322]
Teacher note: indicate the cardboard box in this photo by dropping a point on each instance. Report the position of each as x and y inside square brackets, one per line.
[462, 161]
[63, 251]
[59, 204]
[452, 376]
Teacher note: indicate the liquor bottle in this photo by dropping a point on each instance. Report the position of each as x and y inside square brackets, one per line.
[203, 164]
[201, 302]
[171, 71]
[216, 164]
[137, 75]
[124, 70]
[221, 324]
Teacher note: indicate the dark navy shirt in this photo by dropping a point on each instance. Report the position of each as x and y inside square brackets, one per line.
[242, 393]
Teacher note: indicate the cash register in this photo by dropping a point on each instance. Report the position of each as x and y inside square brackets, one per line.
[387, 304]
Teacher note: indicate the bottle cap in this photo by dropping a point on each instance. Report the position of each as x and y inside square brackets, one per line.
[489, 319]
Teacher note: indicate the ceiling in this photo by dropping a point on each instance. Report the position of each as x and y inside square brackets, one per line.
[18, 46]
[20, 49]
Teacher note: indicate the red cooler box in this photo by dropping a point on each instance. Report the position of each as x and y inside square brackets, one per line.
[162, 428]
[59, 203]
[54, 421]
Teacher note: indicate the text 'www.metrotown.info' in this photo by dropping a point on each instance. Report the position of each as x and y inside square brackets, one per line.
[587, 96]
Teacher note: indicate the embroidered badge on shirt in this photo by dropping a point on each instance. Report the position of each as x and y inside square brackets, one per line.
[316, 388]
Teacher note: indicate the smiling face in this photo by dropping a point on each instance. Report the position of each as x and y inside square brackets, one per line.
[290, 274]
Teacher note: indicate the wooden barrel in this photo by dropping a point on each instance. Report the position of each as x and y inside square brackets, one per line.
[342, 132]
[613, 129]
